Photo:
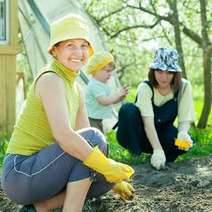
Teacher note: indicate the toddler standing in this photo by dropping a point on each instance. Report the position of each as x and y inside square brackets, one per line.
[99, 98]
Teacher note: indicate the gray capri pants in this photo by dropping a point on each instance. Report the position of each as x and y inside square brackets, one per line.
[30, 179]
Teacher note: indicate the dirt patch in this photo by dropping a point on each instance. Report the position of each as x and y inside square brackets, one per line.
[182, 186]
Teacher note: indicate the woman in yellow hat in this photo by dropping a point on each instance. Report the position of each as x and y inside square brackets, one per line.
[53, 155]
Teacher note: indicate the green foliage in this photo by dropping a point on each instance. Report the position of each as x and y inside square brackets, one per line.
[132, 95]
[3, 147]
[118, 153]
[198, 108]
[202, 143]
[202, 146]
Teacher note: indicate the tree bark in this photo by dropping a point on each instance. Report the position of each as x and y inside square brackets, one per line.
[177, 34]
[206, 67]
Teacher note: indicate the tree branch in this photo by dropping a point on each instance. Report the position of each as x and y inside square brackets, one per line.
[191, 34]
[163, 29]
[204, 22]
[110, 14]
[208, 49]
[133, 27]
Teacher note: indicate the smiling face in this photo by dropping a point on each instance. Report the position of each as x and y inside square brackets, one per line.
[72, 53]
[105, 73]
[163, 78]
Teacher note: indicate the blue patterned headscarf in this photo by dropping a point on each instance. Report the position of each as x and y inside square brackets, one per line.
[166, 59]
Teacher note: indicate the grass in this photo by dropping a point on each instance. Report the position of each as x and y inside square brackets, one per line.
[202, 147]
[202, 137]
[202, 143]
[118, 153]
[4, 139]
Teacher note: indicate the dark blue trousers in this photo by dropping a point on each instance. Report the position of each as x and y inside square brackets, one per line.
[132, 136]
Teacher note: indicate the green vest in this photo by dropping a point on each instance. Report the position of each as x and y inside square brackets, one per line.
[32, 131]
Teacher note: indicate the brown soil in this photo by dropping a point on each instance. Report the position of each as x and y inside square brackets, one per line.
[182, 186]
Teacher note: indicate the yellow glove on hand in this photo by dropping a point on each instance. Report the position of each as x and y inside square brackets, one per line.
[113, 171]
[124, 189]
[182, 144]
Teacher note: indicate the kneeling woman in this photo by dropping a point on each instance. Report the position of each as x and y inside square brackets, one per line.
[54, 158]
[147, 126]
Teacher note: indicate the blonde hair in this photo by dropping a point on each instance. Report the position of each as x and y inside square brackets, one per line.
[99, 61]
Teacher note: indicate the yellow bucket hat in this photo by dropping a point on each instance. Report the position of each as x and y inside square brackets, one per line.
[98, 61]
[69, 27]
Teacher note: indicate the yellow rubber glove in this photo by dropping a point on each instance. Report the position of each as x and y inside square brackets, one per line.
[124, 189]
[183, 144]
[113, 171]
[183, 140]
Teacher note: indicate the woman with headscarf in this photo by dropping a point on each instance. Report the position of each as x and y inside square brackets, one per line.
[148, 125]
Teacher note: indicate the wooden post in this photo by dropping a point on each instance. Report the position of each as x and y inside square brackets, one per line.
[8, 51]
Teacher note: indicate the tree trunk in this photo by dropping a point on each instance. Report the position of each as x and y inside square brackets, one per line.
[177, 34]
[207, 90]
[206, 67]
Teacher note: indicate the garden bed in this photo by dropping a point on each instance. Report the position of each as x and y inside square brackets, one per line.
[181, 186]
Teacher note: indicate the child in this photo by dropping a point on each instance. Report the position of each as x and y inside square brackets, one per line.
[99, 99]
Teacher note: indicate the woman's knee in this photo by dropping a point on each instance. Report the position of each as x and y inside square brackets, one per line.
[129, 112]
[130, 108]
[95, 138]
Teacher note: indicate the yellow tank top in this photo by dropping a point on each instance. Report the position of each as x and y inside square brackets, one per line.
[32, 131]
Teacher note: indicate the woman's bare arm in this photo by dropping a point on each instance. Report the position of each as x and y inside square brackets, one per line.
[82, 117]
[51, 90]
[151, 132]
